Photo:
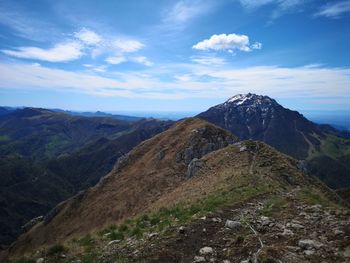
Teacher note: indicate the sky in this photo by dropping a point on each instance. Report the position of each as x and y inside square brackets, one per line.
[174, 56]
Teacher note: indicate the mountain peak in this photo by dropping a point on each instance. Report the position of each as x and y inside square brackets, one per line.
[250, 99]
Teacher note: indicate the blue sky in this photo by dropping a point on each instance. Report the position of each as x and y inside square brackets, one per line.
[183, 56]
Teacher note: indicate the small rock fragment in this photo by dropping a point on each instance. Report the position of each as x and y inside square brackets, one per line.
[309, 244]
[233, 224]
[113, 242]
[206, 250]
[198, 259]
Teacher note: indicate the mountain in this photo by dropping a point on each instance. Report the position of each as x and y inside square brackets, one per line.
[204, 197]
[47, 157]
[258, 117]
[99, 114]
[261, 118]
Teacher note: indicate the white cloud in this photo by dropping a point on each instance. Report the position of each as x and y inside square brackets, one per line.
[256, 45]
[193, 81]
[88, 37]
[226, 42]
[114, 60]
[127, 46]
[142, 60]
[206, 60]
[59, 53]
[334, 10]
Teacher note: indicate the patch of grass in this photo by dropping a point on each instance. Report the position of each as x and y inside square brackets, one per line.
[184, 212]
[91, 257]
[87, 240]
[274, 205]
[25, 260]
[116, 235]
[56, 249]
[136, 232]
[313, 196]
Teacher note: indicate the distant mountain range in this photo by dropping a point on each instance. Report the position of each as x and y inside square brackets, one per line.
[48, 156]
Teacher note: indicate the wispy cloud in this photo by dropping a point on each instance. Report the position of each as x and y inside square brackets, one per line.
[59, 53]
[334, 10]
[85, 42]
[184, 11]
[191, 81]
[281, 7]
[88, 36]
[142, 60]
[115, 60]
[127, 46]
[209, 60]
[227, 42]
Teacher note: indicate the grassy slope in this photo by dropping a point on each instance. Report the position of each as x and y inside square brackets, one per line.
[228, 177]
[331, 162]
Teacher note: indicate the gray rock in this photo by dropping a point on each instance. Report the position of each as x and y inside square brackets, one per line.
[113, 242]
[151, 235]
[308, 244]
[234, 225]
[243, 148]
[198, 259]
[206, 250]
[287, 232]
[32, 223]
[309, 252]
[194, 166]
[265, 220]
[346, 252]
[295, 225]
[40, 260]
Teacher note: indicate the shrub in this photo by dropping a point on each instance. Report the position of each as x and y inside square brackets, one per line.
[86, 240]
[56, 249]
[116, 235]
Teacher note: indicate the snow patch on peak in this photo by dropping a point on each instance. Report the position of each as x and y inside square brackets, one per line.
[241, 98]
[250, 99]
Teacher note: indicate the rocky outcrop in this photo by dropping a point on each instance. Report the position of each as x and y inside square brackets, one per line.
[205, 140]
[32, 223]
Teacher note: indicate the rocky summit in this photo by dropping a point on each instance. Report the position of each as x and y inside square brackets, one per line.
[257, 117]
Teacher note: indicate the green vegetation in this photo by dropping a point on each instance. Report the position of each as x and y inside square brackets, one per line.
[333, 147]
[90, 258]
[274, 205]
[25, 260]
[87, 240]
[313, 196]
[183, 213]
[56, 249]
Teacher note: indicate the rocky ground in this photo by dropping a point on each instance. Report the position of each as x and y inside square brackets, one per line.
[267, 229]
